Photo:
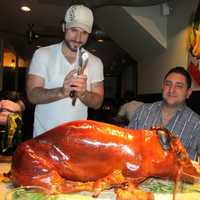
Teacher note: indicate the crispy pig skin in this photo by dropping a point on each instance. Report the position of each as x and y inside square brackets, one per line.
[92, 156]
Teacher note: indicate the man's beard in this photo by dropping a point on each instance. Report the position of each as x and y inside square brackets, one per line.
[73, 49]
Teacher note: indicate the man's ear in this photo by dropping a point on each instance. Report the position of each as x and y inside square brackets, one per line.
[189, 93]
[63, 26]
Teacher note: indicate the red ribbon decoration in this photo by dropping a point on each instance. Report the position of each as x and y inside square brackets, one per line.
[194, 72]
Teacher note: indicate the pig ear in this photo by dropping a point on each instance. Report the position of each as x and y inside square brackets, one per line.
[164, 138]
[63, 26]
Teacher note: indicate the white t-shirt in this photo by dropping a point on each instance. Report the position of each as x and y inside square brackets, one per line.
[50, 64]
[127, 110]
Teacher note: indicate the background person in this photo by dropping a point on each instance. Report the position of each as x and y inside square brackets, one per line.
[12, 104]
[127, 110]
[53, 75]
[172, 112]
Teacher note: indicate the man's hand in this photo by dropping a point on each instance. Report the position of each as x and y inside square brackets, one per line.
[66, 89]
[7, 105]
[79, 84]
[74, 82]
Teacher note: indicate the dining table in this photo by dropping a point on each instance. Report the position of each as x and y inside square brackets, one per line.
[5, 187]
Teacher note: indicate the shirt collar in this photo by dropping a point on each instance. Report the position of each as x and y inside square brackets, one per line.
[180, 108]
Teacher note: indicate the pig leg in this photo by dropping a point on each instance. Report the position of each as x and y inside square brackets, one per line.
[116, 179]
[112, 180]
[53, 183]
[133, 193]
[35, 169]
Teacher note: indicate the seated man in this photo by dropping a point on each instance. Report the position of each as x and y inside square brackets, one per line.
[172, 112]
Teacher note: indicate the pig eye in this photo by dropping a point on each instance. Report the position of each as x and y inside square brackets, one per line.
[180, 155]
[164, 139]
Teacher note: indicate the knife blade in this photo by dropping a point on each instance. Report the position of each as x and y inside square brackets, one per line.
[82, 63]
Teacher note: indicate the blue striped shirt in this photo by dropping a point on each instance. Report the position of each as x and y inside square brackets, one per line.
[185, 124]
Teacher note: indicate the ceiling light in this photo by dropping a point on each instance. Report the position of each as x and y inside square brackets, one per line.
[93, 50]
[25, 8]
[100, 40]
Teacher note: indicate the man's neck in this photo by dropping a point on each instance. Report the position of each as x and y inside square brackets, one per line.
[169, 109]
[69, 55]
[167, 113]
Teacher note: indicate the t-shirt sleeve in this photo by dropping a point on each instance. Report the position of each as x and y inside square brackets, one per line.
[38, 64]
[97, 71]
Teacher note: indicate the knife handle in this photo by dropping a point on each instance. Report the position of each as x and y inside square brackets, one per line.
[72, 94]
[74, 101]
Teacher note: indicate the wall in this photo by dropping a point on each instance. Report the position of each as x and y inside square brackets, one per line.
[151, 70]
[152, 20]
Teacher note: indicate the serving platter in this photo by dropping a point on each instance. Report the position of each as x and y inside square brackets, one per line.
[5, 159]
[7, 188]
[106, 195]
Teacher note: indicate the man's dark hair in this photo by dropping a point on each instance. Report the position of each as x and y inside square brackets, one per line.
[182, 71]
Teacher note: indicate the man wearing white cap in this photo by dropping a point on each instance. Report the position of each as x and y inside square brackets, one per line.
[53, 77]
